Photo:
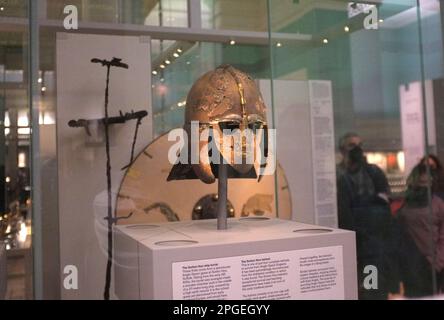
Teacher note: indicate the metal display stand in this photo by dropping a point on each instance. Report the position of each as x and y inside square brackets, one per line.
[222, 188]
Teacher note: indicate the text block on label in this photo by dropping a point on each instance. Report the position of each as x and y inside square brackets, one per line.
[300, 274]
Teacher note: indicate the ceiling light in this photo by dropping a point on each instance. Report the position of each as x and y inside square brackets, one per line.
[154, 72]
[232, 42]
[22, 119]
[179, 50]
[176, 55]
[43, 89]
[48, 118]
[40, 80]
[346, 29]
[167, 61]
[278, 44]
[7, 122]
[162, 66]
[325, 40]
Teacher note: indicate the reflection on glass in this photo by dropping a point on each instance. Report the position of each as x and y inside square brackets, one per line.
[15, 213]
[13, 8]
[338, 67]
[172, 81]
[246, 15]
[167, 13]
[171, 13]
[376, 61]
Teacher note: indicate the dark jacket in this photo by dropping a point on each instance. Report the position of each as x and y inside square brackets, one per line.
[421, 246]
[363, 209]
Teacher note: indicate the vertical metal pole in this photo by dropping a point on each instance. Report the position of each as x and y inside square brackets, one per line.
[426, 151]
[3, 162]
[222, 185]
[106, 293]
[12, 156]
[34, 97]
[273, 114]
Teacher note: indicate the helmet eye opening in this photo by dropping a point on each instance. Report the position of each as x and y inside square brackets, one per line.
[229, 125]
[233, 125]
[254, 126]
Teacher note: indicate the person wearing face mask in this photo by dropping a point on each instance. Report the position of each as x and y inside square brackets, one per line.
[363, 183]
[421, 249]
[363, 207]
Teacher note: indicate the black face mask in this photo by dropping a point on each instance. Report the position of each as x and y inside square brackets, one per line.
[356, 155]
[417, 197]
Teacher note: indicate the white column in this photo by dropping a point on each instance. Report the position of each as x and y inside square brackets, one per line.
[194, 14]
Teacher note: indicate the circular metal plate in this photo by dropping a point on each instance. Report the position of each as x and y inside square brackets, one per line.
[206, 208]
[145, 186]
[313, 231]
[254, 219]
[176, 243]
[142, 227]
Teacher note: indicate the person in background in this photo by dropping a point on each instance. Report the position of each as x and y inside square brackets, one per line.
[437, 172]
[421, 246]
[433, 162]
[363, 207]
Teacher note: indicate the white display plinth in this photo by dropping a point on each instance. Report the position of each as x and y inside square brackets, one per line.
[253, 259]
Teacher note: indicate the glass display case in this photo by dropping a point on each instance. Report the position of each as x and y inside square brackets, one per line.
[352, 90]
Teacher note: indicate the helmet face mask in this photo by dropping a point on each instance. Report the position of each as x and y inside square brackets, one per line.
[228, 104]
[237, 143]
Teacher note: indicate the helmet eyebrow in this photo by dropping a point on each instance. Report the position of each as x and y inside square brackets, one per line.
[243, 102]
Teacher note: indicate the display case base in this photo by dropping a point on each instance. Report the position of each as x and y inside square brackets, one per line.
[253, 259]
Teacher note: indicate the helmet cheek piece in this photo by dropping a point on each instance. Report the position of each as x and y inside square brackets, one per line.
[203, 169]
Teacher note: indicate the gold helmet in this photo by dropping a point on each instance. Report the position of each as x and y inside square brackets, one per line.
[224, 98]
[225, 94]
